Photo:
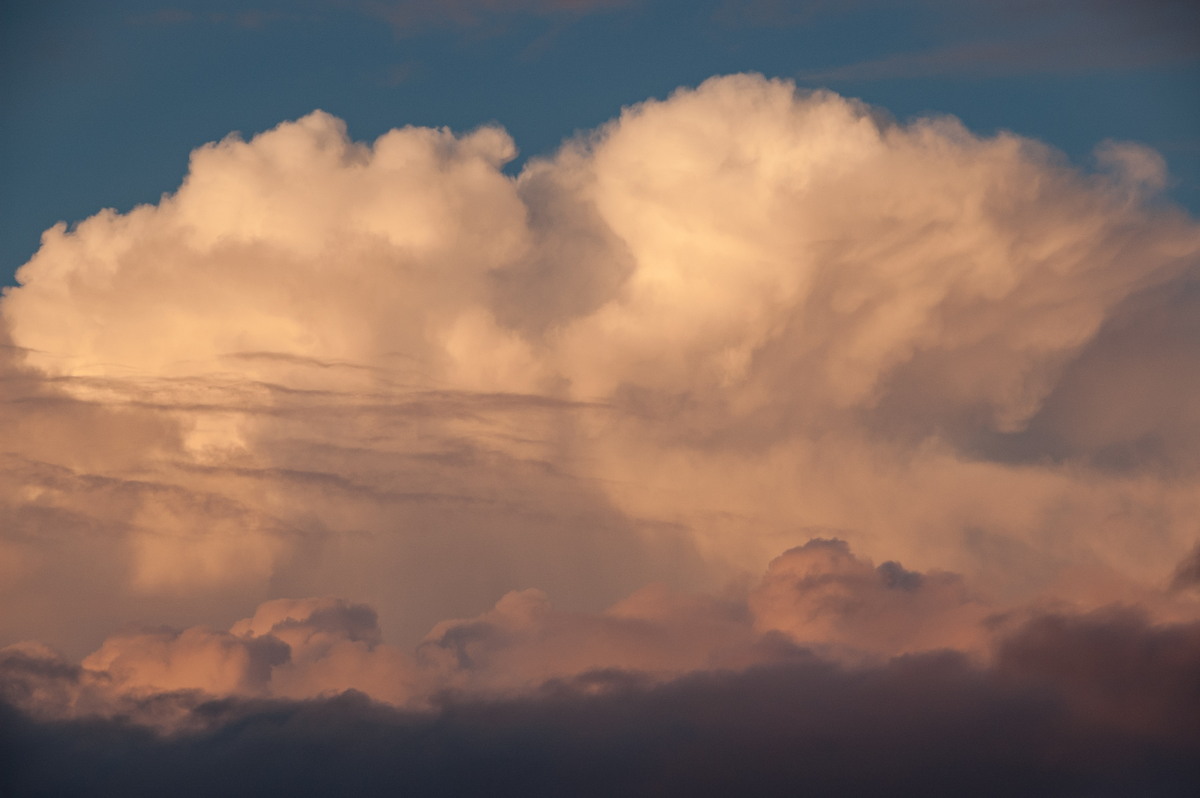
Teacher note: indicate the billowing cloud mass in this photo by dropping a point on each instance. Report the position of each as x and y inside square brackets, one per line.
[749, 381]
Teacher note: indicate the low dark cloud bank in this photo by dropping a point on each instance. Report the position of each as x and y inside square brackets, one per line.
[1095, 705]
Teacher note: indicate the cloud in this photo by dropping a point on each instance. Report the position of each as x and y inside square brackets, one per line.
[1187, 573]
[815, 602]
[933, 724]
[165, 16]
[1114, 670]
[752, 412]
[246, 18]
[1002, 38]
[718, 326]
[300, 649]
[822, 592]
[193, 659]
[817, 597]
[405, 16]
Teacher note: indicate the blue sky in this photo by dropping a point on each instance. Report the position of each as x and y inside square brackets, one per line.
[104, 101]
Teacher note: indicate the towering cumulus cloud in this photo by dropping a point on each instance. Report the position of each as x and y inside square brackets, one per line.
[751, 405]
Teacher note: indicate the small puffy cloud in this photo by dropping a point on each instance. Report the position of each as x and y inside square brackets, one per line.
[310, 623]
[302, 648]
[820, 593]
[194, 659]
[524, 641]
[333, 647]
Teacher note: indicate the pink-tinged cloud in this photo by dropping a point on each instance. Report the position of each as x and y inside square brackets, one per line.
[664, 414]
[818, 601]
[931, 725]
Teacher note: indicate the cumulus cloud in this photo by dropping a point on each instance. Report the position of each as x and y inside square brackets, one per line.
[819, 597]
[556, 430]
[818, 602]
[288, 649]
[821, 592]
[1046, 722]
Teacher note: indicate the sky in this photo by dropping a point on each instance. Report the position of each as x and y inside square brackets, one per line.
[600, 397]
[104, 101]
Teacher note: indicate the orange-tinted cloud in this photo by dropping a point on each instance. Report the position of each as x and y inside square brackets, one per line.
[816, 601]
[722, 324]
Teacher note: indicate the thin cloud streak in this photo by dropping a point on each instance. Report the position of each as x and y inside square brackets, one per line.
[991, 39]
[409, 16]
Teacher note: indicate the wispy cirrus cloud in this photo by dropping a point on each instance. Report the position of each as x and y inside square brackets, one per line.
[987, 39]
[408, 16]
[246, 18]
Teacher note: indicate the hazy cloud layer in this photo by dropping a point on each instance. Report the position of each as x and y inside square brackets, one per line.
[988, 38]
[528, 428]
[405, 16]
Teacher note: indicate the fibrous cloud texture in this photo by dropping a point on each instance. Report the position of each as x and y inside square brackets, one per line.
[744, 376]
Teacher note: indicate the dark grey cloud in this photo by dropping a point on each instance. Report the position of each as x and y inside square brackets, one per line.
[1052, 718]
[1187, 573]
